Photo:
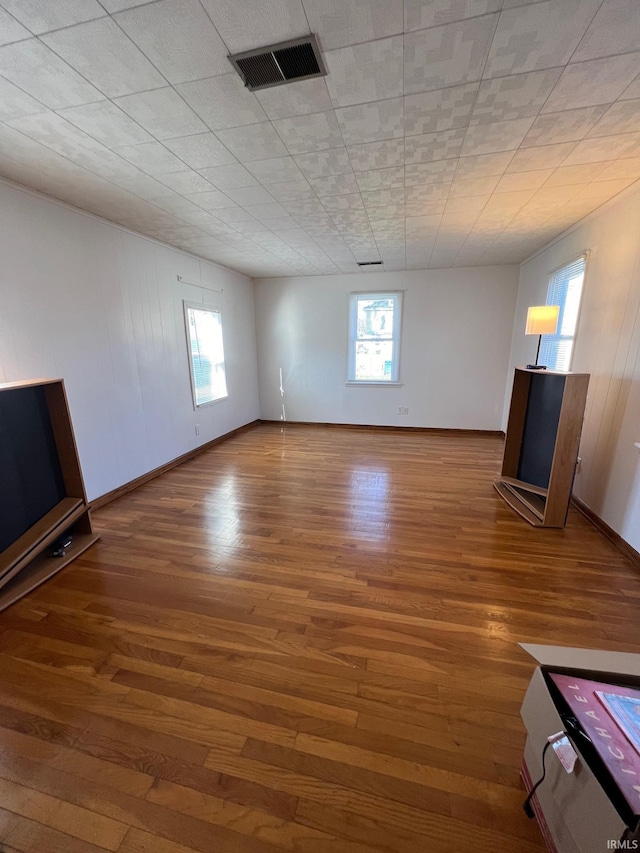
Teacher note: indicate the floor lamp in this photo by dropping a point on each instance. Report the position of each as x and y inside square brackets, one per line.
[541, 320]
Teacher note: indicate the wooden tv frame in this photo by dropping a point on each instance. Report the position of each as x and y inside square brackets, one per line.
[543, 505]
[27, 562]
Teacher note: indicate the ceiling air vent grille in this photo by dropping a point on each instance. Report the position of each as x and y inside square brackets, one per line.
[369, 263]
[280, 63]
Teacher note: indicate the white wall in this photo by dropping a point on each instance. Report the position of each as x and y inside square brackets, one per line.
[102, 308]
[608, 347]
[454, 354]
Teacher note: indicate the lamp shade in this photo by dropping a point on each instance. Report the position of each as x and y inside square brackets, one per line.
[542, 320]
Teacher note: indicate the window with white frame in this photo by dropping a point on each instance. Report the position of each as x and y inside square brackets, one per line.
[565, 290]
[206, 353]
[374, 337]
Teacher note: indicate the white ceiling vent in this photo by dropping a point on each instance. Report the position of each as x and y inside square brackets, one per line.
[277, 64]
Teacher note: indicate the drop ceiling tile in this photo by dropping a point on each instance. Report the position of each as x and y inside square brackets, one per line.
[275, 171]
[427, 193]
[392, 213]
[339, 203]
[304, 207]
[216, 200]
[484, 164]
[334, 185]
[383, 197]
[303, 134]
[524, 180]
[222, 102]
[11, 30]
[228, 177]
[381, 179]
[541, 157]
[15, 103]
[498, 136]
[245, 24]
[425, 208]
[291, 191]
[465, 207]
[338, 23]
[178, 37]
[102, 53]
[250, 196]
[59, 135]
[321, 164]
[253, 142]
[599, 81]
[31, 66]
[440, 171]
[352, 222]
[621, 117]
[632, 91]
[145, 187]
[295, 99]
[614, 30]
[434, 146]
[377, 155]
[365, 72]
[517, 96]
[566, 126]
[473, 186]
[541, 35]
[186, 182]
[152, 158]
[605, 189]
[162, 112]
[106, 123]
[371, 122]
[420, 14]
[200, 150]
[266, 212]
[604, 148]
[41, 17]
[627, 168]
[440, 110]
[568, 175]
[448, 55]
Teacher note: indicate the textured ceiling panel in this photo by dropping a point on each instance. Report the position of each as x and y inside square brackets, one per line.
[447, 132]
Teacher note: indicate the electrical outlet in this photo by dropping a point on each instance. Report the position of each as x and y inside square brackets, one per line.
[403, 410]
[197, 429]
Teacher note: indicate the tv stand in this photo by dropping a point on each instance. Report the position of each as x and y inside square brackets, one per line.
[541, 444]
[27, 562]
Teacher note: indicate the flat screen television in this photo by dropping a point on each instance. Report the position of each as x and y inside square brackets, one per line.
[31, 479]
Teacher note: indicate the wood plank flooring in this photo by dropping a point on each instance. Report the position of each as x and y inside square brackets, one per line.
[305, 639]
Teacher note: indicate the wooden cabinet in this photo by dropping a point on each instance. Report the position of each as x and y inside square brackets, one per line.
[42, 496]
[541, 445]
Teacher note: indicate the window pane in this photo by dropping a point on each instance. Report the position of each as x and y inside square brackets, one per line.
[374, 360]
[207, 355]
[375, 318]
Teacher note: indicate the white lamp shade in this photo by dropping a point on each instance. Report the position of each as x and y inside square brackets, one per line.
[542, 320]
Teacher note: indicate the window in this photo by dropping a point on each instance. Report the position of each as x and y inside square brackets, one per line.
[206, 353]
[374, 337]
[565, 289]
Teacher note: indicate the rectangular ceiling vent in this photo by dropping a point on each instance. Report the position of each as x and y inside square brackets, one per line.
[369, 263]
[298, 59]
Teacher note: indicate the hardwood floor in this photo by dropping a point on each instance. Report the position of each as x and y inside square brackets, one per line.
[304, 639]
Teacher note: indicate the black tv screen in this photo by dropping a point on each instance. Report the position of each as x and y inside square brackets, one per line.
[31, 482]
[540, 428]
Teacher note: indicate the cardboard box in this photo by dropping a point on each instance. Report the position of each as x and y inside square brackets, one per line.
[574, 812]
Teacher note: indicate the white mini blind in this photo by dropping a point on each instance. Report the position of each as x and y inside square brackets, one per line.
[565, 290]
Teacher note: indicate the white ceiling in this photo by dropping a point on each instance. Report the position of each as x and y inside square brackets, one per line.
[446, 133]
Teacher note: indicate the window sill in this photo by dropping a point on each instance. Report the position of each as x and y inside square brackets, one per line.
[364, 384]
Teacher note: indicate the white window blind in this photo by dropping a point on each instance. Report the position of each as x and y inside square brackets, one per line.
[565, 290]
[206, 353]
[374, 337]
